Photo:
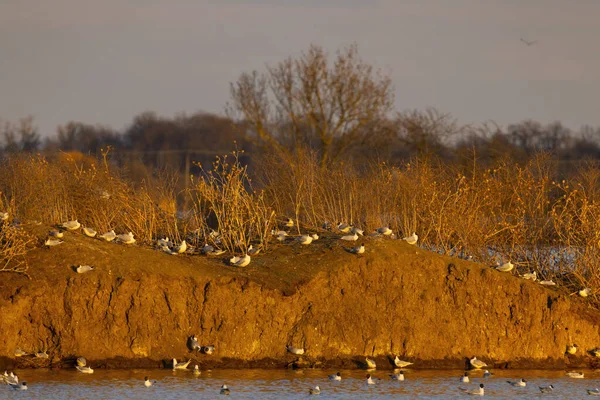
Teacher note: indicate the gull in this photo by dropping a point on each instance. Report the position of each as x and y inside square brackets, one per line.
[207, 248]
[528, 43]
[41, 354]
[281, 237]
[506, 267]
[357, 231]
[412, 239]
[326, 225]
[81, 361]
[108, 236]
[398, 377]
[147, 382]
[289, 223]
[84, 370]
[371, 364]
[465, 378]
[350, 238]
[593, 392]
[278, 233]
[357, 250]
[572, 349]
[384, 230]
[585, 292]
[240, 261]
[315, 390]
[225, 390]
[168, 250]
[208, 349]
[487, 374]
[71, 225]
[401, 363]
[163, 242]
[253, 250]
[52, 242]
[314, 236]
[576, 375]
[89, 232]
[126, 238]
[370, 380]
[547, 283]
[216, 252]
[181, 248]
[596, 352]
[475, 363]
[181, 365]
[475, 392]
[84, 268]
[196, 370]
[17, 386]
[546, 389]
[19, 353]
[193, 344]
[305, 239]
[344, 228]
[295, 350]
[3, 216]
[530, 276]
[520, 383]
[335, 377]
[56, 233]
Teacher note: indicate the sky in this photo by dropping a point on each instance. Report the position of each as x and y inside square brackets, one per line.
[103, 62]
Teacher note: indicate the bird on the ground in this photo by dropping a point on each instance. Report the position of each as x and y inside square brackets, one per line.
[343, 227]
[196, 370]
[350, 238]
[19, 353]
[585, 292]
[576, 375]
[126, 238]
[412, 239]
[240, 261]
[295, 350]
[84, 370]
[384, 230]
[89, 232]
[41, 354]
[208, 349]
[3, 216]
[180, 365]
[84, 268]
[108, 236]
[71, 225]
[371, 364]
[81, 361]
[547, 283]
[305, 239]
[52, 242]
[572, 349]
[475, 363]
[506, 267]
[289, 223]
[56, 233]
[530, 276]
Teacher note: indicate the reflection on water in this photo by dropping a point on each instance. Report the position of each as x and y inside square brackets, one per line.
[276, 384]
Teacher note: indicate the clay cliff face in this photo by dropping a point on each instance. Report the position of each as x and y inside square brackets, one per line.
[139, 307]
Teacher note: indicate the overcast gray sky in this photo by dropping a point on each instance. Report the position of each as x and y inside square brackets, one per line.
[106, 61]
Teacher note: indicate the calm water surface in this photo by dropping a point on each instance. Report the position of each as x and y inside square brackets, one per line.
[289, 384]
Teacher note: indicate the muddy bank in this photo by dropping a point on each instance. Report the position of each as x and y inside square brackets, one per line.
[138, 308]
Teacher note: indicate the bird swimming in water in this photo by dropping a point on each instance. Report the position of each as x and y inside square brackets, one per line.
[19, 386]
[398, 377]
[401, 363]
[546, 389]
[465, 378]
[225, 390]
[576, 375]
[315, 390]
[196, 370]
[520, 383]
[147, 382]
[350, 238]
[487, 374]
[84, 370]
[335, 377]
[475, 392]
[370, 380]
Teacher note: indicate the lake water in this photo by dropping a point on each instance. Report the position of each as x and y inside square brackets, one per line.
[289, 384]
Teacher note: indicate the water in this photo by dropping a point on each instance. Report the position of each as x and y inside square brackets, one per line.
[289, 384]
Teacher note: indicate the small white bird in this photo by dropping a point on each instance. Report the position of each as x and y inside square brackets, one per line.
[180, 365]
[371, 364]
[475, 392]
[163, 242]
[196, 370]
[208, 349]
[315, 390]
[41, 354]
[398, 377]
[593, 392]
[412, 239]
[475, 363]
[289, 223]
[335, 377]
[487, 374]
[576, 375]
[281, 237]
[546, 389]
[126, 238]
[370, 380]
[52, 242]
[314, 236]
[56, 233]
[344, 228]
[253, 250]
[465, 378]
[19, 386]
[108, 236]
[147, 382]
[84, 268]
[181, 248]
[225, 390]
[596, 352]
[89, 232]
[401, 363]
[71, 225]
[384, 230]
[548, 283]
[585, 292]
[506, 267]
[357, 231]
[350, 238]
[357, 250]
[240, 261]
[295, 350]
[20, 353]
[84, 370]
[193, 344]
[81, 361]
[530, 276]
[572, 349]
[305, 239]
[520, 383]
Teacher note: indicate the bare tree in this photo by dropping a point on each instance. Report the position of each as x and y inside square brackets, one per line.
[309, 101]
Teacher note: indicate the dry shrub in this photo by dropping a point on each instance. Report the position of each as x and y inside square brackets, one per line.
[14, 244]
[241, 213]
